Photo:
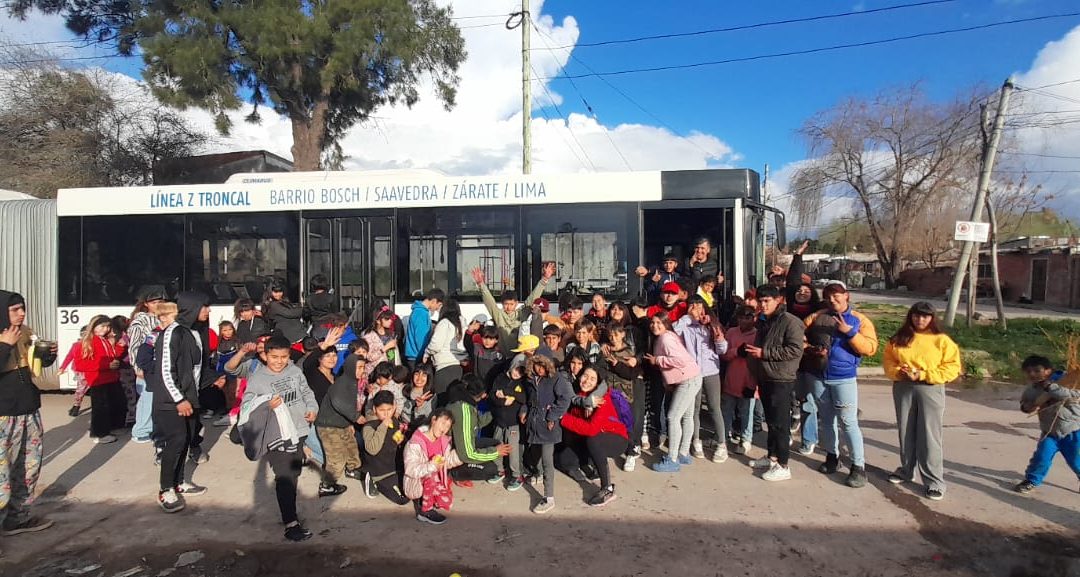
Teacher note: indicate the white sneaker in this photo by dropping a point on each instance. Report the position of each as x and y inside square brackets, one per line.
[762, 463]
[104, 440]
[777, 473]
[746, 446]
[697, 450]
[720, 455]
[630, 464]
[807, 449]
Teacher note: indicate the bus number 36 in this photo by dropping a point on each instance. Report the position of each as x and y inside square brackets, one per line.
[68, 317]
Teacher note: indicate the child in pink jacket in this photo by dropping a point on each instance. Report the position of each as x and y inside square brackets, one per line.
[740, 388]
[682, 377]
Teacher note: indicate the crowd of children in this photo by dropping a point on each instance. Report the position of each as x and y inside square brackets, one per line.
[411, 408]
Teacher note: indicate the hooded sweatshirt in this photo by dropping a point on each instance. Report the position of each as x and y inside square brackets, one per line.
[289, 384]
[181, 360]
[339, 406]
[250, 331]
[418, 332]
[18, 394]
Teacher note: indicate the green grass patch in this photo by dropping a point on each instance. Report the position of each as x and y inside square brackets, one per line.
[986, 349]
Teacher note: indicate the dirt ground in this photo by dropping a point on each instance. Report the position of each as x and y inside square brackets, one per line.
[708, 520]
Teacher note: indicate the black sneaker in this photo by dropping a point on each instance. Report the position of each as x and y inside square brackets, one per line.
[934, 494]
[857, 478]
[190, 489]
[353, 474]
[73, 412]
[198, 456]
[331, 490]
[297, 532]
[30, 525]
[590, 472]
[832, 462]
[604, 497]
[434, 517]
[1024, 487]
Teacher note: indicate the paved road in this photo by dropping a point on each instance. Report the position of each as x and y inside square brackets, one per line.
[709, 520]
[1011, 312]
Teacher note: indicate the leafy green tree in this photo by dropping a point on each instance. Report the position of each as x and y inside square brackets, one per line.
[325, 64]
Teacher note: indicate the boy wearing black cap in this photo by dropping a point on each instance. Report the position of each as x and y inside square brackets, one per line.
[667, 273]
[20, 417]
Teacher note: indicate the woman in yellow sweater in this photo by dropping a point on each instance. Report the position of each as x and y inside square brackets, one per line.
[920, 359]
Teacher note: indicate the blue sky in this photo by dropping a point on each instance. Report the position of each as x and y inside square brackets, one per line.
[757, 106]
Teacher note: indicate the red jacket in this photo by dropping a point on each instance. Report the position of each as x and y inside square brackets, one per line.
[674, 314]
[604, 419]
[96, 369]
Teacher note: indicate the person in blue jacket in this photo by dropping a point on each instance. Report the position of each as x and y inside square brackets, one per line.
[419, 330]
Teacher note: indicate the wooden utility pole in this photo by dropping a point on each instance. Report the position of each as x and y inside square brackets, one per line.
[526, 91]
[988, 156]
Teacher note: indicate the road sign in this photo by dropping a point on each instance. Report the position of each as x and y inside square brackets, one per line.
[972, 231]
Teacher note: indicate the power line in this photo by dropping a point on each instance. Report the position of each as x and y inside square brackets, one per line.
[755, 25]
[588, 107]
[1051, 85]
[1039, 155]
[821, 49]
[565, 119]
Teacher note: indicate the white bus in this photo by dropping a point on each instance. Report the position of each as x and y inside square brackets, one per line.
[391, 235]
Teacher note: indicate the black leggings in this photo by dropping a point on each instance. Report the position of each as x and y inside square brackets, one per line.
[776, 397]
[578, 450]
[177, 435]
[388, 486]
[108, 409]
[640, 404]
[286, 467]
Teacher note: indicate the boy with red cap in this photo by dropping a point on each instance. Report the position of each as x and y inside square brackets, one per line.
[669, 303]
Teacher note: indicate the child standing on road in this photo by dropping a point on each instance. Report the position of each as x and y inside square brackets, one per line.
[284, 382]
[507, 401]
[1059, 418]
[335, 428]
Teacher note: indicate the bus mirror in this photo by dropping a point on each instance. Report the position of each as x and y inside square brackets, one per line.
[781, 232]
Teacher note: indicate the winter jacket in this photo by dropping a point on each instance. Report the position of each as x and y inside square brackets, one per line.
[674, 313]
[339, 408]
[510, 325]
[418, 332]
[781, 339]
[1058, 407]
[419, 466]
[95, 368]
[446, 348]
[701, 270]
[547, 400]
[286, 320]
[604, 419]
[467, 425]
[937, 356]
[18, 393]
[263, 429]
[180, 357]
[319, 305]
[140, 328]
[488, 363]
[675, 363]
[289, 384]
[699, 341]
[846, 350]
[250, 331]
[652, 288]
[739, 381]
[507, 415]
[376, 353]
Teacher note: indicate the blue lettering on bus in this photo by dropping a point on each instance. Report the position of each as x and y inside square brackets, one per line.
[529, 190]
[224, 198]
[167, 200]
[345, 195]
[406, 193]
[292, 196]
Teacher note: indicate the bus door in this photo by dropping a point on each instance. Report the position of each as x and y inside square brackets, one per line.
[671, 229]
[355, 254]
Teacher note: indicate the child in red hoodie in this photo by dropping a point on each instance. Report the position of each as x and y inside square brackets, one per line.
[594, 435]
[99, 362]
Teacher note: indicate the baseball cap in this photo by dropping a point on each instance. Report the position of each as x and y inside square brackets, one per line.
[543, 303]
[671, 257]
[527, 343]
[481, 318]
[834, 286]
[671, 287]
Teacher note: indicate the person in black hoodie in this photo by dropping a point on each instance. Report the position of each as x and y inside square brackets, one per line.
[20, 418]
[249, 325]
[285, 318]
[320, 302]
[181, 362]
[507, 400]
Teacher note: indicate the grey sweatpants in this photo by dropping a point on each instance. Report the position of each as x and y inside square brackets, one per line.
[512, 436]
[920, 411]
[712, 390]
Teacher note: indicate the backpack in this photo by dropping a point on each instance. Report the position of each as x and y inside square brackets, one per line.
[623, 409]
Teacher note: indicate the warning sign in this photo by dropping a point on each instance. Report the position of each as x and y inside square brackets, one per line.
[972, 231]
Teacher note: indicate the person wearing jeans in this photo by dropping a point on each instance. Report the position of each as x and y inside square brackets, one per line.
[704, 339]
[808, 389]
[774, 359]
[682, 376]
[838, 337]
[920, 359]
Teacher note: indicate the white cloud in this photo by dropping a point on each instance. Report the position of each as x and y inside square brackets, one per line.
[1057, 62]
[482, 134]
